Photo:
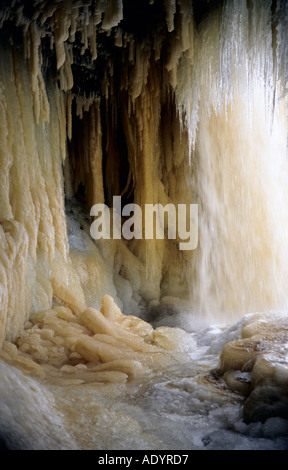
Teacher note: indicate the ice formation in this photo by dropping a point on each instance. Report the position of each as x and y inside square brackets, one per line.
[256, 365]
[190, 109]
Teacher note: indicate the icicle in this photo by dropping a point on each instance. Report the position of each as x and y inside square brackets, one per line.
[118, 37]
[62, 24]
[140, 70]
[84, 36]
[69, 100]
[97, 17]
[32, 42]
[65, 73]
[73, 27]
[170, 6]
[186, 29]
[83, 104]
[96, 152]
[131, 45]
[92, 36]
[281, 19]
[113, 15]
[6, 157]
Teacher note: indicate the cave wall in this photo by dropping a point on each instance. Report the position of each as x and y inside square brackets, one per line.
[87, 114]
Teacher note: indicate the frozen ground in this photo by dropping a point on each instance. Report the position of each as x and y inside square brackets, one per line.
[182, 407]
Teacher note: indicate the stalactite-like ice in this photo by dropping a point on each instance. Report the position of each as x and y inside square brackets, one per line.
[91, 108]
[36, 256]
[31, 154]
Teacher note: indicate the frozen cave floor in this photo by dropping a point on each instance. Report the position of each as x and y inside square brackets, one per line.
[184, 406]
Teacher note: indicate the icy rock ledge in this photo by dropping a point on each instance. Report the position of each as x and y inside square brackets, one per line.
[256, 365]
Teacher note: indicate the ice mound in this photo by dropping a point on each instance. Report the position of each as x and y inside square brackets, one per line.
[74, 344]
[256, 365]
